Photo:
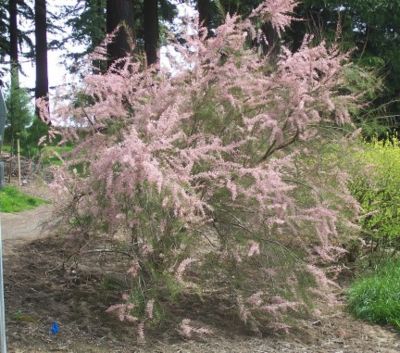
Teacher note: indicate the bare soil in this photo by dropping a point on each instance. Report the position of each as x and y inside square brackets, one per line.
[45, 283]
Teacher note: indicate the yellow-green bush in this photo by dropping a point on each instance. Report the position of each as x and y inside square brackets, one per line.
[377, 187]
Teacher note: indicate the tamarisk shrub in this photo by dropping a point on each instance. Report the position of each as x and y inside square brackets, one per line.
[195, 174]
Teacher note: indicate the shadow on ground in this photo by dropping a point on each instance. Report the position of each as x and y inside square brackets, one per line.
[40, 290]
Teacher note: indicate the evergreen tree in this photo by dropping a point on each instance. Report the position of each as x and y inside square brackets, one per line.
[19, 111]
[370, 28]
[88, 20]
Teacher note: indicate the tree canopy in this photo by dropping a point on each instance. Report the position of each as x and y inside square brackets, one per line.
[369, 28]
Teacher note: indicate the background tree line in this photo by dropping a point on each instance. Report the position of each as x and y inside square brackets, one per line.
[371, 28]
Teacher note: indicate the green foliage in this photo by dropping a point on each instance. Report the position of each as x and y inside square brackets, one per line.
[6, 148]
[367, 83]
[88, 23]
[54, 155]
[13, 200]
[377, 188]
[376, 298]
[367, 28]
[22, 123]
[363, 81]
[19, 111]
[36, 131]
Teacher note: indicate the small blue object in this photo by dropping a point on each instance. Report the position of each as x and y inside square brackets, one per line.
[54, 328]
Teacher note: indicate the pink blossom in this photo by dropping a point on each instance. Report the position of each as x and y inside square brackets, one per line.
[134, 269]
[256, 299]
[187, 330]
[277, 12]
[182, 267]
[254, 248]
[149, 309]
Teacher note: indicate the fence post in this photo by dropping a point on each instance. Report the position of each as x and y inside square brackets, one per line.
[3, 343]
[19, 162]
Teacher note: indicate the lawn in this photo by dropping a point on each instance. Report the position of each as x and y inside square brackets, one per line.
[13, 200]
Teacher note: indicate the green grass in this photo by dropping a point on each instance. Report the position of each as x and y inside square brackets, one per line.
[49, 154]
[376, 297]
[13, 200]
[6, 148]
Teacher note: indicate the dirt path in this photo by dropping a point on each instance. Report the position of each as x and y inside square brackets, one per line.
[18, 229]
[38, 292]
[26, 225]
[22, 227]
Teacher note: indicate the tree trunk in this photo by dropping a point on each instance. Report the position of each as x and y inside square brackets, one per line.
[203, 7]
[12, 8]
[120, 12]
[42, 80]
[151, 30]
[273, 46]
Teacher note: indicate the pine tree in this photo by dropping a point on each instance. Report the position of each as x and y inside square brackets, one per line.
[88, 22]
[19, 111]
